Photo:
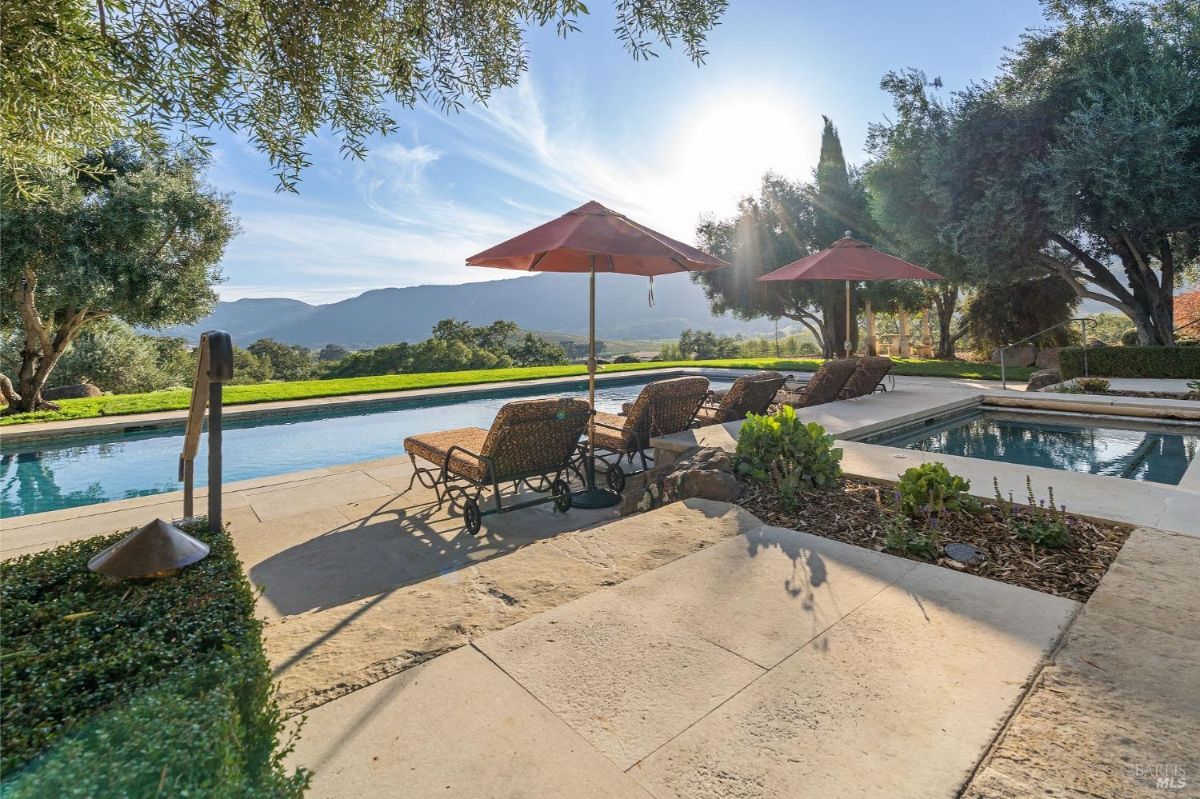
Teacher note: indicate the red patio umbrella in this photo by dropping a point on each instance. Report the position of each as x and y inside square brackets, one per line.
[594, 239]
[850, 260]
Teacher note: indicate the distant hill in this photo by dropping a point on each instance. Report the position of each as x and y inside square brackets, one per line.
[247, 320]
[549, 302]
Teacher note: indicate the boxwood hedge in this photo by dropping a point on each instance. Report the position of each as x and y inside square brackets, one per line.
[1176, 362]
[136, 688]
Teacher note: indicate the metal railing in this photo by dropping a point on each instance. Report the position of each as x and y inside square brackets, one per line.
[1083, 323]
[214, 368]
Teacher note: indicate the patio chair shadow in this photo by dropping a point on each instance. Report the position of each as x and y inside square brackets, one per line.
[391, 547]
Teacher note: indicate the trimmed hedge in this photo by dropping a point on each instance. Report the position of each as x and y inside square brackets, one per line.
[1176, 362]
[136, 688]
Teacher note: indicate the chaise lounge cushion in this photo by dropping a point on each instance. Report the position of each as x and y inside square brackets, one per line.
[613, 440]
[433, 447]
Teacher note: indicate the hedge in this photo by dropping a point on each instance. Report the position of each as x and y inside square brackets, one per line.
[136, 688]
[1177, 362]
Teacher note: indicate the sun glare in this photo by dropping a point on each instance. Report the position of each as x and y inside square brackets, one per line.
[723, 150]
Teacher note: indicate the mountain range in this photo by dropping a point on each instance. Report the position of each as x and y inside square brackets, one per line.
[548, 302]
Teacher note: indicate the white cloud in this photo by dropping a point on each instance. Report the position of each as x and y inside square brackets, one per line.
[406, 216]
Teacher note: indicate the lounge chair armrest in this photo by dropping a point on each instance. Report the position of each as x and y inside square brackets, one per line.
[457, 448]
[608, 426]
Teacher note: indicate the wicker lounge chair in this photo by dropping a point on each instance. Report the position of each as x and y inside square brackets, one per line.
[530, 441]
[748, 394]
[663, 407]
[867, 378]
[824, 386]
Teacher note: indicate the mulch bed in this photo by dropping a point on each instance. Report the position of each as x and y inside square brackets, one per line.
[850, 514]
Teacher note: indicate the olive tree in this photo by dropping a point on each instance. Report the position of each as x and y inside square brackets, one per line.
[140, 240]
[76, 71]
[1083, 158]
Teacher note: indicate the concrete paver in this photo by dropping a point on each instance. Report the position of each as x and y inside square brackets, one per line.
[1116, 712]
[912, 660]
[623, 680]
[899, 699]
[768, 597]
[321, 655]
[416, 734]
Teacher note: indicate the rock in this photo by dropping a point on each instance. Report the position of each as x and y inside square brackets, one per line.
[700, 472]
[80, 391]
[1046, 377]
[1016, 356]
[1047, 358]
[1096, 344]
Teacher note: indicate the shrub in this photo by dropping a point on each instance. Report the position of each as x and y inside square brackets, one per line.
[899, 535]
[1092, 385]
[787, 454]
[627, 359]
[136, 688]
[1174, 362]
[1039, 522]
[930, 489]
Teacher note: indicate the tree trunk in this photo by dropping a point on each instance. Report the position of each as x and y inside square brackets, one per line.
[945, 302]
[869, 314]
[10, 395]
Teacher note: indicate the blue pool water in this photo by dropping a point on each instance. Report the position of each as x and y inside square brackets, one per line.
[1155, 452]
[48, 474]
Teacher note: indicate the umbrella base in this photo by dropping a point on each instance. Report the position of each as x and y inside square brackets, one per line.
[591, 498]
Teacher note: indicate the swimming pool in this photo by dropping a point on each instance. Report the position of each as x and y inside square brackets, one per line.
[1127, 448]
[48, 474]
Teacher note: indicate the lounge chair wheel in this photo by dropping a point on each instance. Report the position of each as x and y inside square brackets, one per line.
[562, 495]
[615, 478]
[472, 518]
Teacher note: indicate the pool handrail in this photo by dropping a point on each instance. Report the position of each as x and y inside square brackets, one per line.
[1083, 323]
[214, 368]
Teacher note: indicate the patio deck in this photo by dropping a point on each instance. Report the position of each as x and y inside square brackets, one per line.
[694, 652]
[772, 663]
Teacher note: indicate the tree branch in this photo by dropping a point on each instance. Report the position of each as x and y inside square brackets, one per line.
[1074, 278]
[1099, 273]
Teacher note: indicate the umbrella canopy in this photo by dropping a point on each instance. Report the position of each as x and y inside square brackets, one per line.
[595, 237]
[850, 260]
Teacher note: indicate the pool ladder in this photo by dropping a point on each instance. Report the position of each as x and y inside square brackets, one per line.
[214, 368]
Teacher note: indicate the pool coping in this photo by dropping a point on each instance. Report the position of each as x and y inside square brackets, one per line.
[102, 424]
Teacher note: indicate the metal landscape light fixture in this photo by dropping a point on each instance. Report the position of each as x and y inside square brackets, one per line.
[155, 550]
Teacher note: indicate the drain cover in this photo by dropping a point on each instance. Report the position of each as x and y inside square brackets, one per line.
[963, 553]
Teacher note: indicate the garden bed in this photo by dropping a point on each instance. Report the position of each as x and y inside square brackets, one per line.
[855, 512]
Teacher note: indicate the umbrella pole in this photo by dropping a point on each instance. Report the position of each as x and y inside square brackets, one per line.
[848, 337]
[592, 496]
[591, 365]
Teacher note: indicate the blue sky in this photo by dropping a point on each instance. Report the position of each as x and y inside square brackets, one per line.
[662, 141]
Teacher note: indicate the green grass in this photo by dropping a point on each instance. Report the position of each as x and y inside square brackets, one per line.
[121, 404]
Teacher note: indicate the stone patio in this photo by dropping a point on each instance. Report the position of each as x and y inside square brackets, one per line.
[771, 663]
[694, 652]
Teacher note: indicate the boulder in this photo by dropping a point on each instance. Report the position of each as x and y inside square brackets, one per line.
[1047, 358]
[1046, 377]
[1016, 356]
[700, 472]
[80, 391]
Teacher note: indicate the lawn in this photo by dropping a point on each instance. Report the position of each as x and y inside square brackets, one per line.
[120, 404]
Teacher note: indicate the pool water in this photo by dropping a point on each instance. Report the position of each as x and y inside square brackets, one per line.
[48, 474]
[1134, 450]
